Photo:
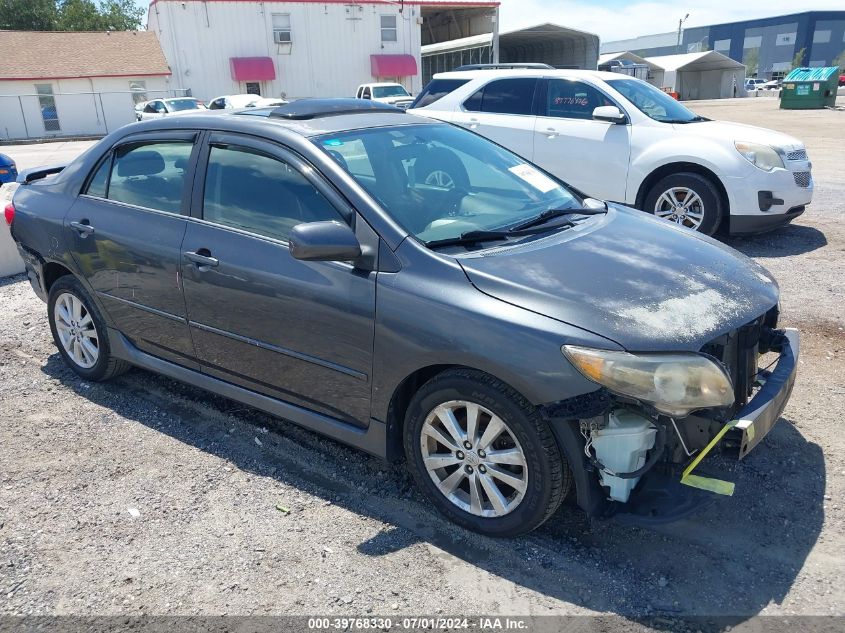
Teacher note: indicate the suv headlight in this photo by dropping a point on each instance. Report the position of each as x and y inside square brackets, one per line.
[761, 156]
[675, 384]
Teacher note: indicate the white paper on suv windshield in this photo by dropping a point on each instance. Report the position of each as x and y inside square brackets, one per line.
[533, 177]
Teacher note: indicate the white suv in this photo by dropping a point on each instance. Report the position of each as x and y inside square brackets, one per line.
[621, 139]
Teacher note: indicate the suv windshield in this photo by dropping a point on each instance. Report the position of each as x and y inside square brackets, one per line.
[183, 104]
[440, 182]
[389, 91]
[653, 102]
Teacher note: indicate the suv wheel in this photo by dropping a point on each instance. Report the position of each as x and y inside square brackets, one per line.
[688, 199]
[79, 331]
[441, 168]
[483, 454]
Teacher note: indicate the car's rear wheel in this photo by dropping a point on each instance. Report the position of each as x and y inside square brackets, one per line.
[483, 454]
[688, 199]
[80, 332]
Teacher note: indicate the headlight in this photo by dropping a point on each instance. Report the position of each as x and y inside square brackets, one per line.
[761, 156]
[675, 384]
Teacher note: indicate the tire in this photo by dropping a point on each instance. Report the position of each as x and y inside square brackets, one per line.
[88, 330]
[544, 479]
[442, 168]
[658, 201]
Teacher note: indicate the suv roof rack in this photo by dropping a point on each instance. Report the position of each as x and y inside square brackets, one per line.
[534, 66]
[304, 109]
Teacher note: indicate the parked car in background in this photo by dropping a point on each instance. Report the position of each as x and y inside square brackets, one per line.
[619, 138]
[842, 80]
[158, 108]
[774, 84]
[8, 169]
[231, 102]
[753, 83]
[390, 93]
[509, 337]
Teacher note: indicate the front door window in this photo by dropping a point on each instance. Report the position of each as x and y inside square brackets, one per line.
[253, 88]
[47, 103]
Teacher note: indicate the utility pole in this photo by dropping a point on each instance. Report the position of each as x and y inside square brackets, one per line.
[680, 26]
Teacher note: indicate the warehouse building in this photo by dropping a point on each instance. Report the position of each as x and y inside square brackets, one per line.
[72, 84]
[296, 49]
[767, 46]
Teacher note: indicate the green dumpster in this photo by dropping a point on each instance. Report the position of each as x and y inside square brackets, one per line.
[809, 88]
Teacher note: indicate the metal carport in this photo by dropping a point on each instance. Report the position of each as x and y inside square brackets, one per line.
[707, 75]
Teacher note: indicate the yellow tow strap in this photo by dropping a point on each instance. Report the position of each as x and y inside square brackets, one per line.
[707, 483]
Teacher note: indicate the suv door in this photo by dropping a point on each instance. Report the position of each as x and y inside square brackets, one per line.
[295, 330]
[503, 111]
[125, 232]
[591, 155]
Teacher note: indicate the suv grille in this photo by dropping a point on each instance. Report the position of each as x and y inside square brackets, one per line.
[798, 154]
[802, 178]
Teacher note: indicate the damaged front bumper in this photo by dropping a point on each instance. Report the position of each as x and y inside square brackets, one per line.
[758, 417]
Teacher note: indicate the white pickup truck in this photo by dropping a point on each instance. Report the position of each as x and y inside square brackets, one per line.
[393, 94]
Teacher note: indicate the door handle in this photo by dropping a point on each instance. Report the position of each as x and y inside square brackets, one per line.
[203, 261]
[83, 228]
[473, 123]
[551, 132]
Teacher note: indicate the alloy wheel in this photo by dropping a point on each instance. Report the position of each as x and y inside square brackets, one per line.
[76, 330]
[474, 458]
[440, 178]
[680, 205]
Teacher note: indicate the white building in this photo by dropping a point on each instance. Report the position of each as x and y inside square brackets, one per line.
[305, 48]
[706, 75]
[73, 84]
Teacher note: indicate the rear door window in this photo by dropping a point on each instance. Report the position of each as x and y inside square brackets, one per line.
[504, 96]
[150, 175]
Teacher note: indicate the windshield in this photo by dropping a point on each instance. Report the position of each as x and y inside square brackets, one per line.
[653, 102]
[389, 91]
[183, 104]
[440, 181]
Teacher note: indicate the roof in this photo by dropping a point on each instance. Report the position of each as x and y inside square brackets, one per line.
[71, 55]
[812, 74]
[606, 57]
[707, 60]
[530, 72]
[517, 37]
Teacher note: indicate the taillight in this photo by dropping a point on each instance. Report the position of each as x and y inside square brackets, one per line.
[9, 212]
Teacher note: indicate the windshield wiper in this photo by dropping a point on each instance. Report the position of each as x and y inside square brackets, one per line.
[547, 215]
[474, 237]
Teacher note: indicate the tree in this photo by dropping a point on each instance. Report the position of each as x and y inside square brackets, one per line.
[28, 15]
[70, 15]
[798, 60]
[751, 60]
[839, 60]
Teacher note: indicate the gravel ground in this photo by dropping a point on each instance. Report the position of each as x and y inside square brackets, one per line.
[144, 496]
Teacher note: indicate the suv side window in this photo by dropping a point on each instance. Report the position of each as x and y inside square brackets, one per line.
[150, 175]
[248, 190]
[572, 99]
[504, 96]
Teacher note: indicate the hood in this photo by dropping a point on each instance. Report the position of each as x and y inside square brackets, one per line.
[731, 132]
[641, 282]
[393, 100]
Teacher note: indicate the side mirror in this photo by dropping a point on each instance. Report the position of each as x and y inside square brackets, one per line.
[609, 114]
[324, 242]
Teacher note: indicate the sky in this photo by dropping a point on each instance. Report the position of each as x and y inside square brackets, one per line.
[623, 19]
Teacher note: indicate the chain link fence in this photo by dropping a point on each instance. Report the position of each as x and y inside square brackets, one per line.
[45, 114]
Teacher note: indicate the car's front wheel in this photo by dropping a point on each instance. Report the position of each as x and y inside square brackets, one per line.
[80, 332]
[483, 454]
[688, 199]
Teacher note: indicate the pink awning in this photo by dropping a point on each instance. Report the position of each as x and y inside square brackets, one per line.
[393, 65]
[252, 68]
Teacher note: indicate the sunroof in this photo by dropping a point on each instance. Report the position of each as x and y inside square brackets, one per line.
[317, 108]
